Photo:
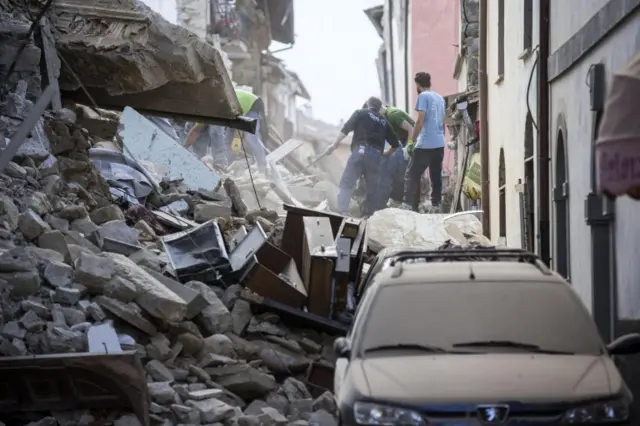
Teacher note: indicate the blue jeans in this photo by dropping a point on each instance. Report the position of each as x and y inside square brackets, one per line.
[392, 182]
[252, 141]
[367, 162]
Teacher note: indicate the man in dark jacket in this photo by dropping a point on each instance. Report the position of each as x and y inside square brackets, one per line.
[370, 131]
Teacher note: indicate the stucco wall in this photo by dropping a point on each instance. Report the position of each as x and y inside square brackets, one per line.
[399, 30]
[567, 18]
[434, 32]
[507, 113]
[570, 98]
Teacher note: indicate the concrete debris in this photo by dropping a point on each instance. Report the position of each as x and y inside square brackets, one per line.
[83, 271]
[404, 228]
[117, 47]
[200, 277]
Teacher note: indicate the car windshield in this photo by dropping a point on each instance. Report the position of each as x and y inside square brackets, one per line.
[542, 317]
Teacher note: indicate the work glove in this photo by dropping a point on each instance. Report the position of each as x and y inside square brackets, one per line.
[408, 150]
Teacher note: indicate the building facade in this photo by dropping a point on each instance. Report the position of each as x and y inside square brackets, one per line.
[593, 241]
[281, 91]
[512, 40]
[418, 35]
[547, 110]
[586, 229]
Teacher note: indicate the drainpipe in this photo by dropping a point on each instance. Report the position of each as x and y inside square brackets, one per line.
[407, 71]
[484, 122]
[392, 54]
[544, 234]
[600, 217]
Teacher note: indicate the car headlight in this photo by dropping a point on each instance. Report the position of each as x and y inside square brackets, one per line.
[366, 413]
[602, 412]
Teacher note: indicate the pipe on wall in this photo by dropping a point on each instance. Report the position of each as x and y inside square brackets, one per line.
[543, 178]
[407, 71]
[484, 122]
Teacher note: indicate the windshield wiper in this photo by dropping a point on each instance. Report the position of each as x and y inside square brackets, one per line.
[411, 346]
[510, 344]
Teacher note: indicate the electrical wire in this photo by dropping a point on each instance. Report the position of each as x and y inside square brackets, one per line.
[533, 69]
[253, 184]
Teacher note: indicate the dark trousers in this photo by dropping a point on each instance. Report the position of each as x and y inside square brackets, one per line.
[364, 162]
[422, 160]
[392, 183]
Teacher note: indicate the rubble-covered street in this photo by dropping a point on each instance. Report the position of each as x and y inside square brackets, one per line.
[141, 285]
[83, 277]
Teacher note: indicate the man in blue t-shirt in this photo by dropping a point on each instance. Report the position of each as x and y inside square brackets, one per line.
[428, 150]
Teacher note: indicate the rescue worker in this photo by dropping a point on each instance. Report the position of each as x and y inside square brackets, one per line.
[252, 107]
[392, 186]
[370, 131]
[428, 151]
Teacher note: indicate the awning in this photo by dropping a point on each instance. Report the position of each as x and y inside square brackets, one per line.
[127, 55]
[618, 143]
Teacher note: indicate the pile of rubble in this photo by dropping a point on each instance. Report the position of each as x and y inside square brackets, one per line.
[88, 280]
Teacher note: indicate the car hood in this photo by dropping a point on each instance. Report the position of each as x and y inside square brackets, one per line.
[486, 378]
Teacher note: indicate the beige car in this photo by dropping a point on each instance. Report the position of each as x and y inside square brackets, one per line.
[477, 338]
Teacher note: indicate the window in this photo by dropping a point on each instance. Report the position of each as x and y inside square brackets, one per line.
[503, 196]
[500, 38]
[548, 314]
[528, 25]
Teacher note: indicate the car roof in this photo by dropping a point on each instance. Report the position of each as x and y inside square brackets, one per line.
[394, 251]
[438, 272]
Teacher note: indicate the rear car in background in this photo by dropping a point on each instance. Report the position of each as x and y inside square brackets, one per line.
[499, 340]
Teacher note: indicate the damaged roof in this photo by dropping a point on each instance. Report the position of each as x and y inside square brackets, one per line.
[127, 55]
[302, 90]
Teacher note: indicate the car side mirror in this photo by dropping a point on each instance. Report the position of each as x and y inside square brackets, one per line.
[342, 348]
[628, 344]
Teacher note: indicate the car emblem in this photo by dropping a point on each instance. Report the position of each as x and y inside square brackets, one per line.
[493, 414]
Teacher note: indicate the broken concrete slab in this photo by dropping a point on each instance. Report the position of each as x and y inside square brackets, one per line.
[404, 228]
[94, 271]
[211, 210]
[189, 78]
[243, 380]
[118, 230]
[147, 143]
[32, 225]
[148, 259]
[106, 214]
[194, 300]
[55, 240]
[129, 312]
[153, 296]
[215, 318]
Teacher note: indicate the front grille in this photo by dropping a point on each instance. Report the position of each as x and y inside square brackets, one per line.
[514, 418]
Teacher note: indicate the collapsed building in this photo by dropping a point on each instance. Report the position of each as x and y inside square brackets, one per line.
[138, 284]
